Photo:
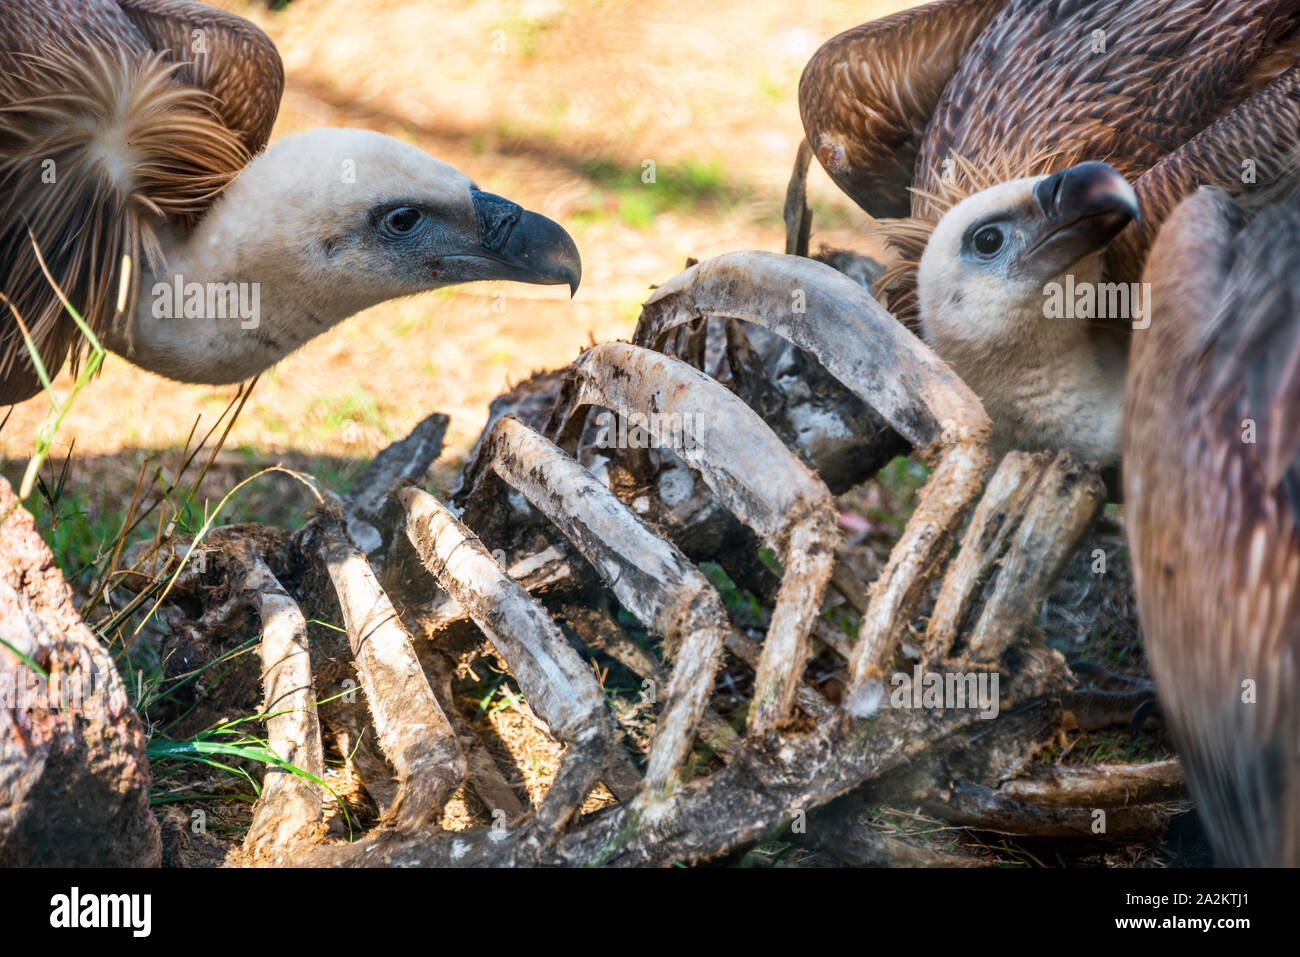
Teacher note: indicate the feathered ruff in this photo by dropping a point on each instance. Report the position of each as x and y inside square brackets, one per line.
[99, 145]
[908, 236]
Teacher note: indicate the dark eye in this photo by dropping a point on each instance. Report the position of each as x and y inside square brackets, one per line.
[988, 240]
[402, 220]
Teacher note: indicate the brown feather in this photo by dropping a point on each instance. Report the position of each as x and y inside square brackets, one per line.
[1173, 93]
[114, 120]
[92, 216]
[866, 96]
[236, 62]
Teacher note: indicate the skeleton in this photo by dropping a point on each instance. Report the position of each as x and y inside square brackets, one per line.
[572, 519]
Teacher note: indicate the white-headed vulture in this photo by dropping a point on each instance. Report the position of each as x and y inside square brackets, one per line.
[912, 112]
[132, 171]
[1212, 489]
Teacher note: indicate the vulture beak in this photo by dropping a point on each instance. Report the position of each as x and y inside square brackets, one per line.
[1084, 207]
[519, 246]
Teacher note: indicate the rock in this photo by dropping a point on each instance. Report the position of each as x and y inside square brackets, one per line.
[74, 780]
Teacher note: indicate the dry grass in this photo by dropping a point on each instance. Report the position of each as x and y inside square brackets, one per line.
[534, 754]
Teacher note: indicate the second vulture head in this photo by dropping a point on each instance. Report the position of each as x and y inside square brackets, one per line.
[323, 225]
[985, 289]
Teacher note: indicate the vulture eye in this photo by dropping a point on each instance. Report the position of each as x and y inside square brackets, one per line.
[401, 221]
[988, 240]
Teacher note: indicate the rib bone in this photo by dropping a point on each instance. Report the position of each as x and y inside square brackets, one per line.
[750, 471]
[871, 353]
[290, 804]
[551, 676]
[983, 546]
[653, 580]
[413, 731]
[1099, 785]
[1055, 518]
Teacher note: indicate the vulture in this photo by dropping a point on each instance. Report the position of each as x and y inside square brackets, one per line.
[1212, 438]
[914, 113]
[134, 188]
[1045, 383]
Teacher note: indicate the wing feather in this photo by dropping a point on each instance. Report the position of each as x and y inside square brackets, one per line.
[867, 96]
[222, 53]
[1252, 344]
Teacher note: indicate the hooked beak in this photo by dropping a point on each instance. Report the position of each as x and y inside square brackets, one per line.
[519, 246]
[1084, 207]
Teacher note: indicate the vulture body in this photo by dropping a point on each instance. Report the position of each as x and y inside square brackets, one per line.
[954, 96]
[1212, 421]
[131, 164]
[915, 112]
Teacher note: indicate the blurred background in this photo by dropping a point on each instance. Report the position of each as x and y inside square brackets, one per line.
[557, 104]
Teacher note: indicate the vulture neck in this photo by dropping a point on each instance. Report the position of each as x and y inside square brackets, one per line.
[225, 305]
[1047, 385]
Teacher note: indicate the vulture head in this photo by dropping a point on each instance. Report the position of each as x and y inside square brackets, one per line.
[387, 219]
[990, 257]
[323, 225]
[983, 284]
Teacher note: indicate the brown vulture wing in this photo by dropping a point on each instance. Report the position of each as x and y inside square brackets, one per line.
[222, 53]
[1252, 152]
[867, 96]
[1211, 473]
[1252, 345]
[1123, 81]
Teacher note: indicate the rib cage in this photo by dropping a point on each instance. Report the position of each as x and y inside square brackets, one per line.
[800, 750]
